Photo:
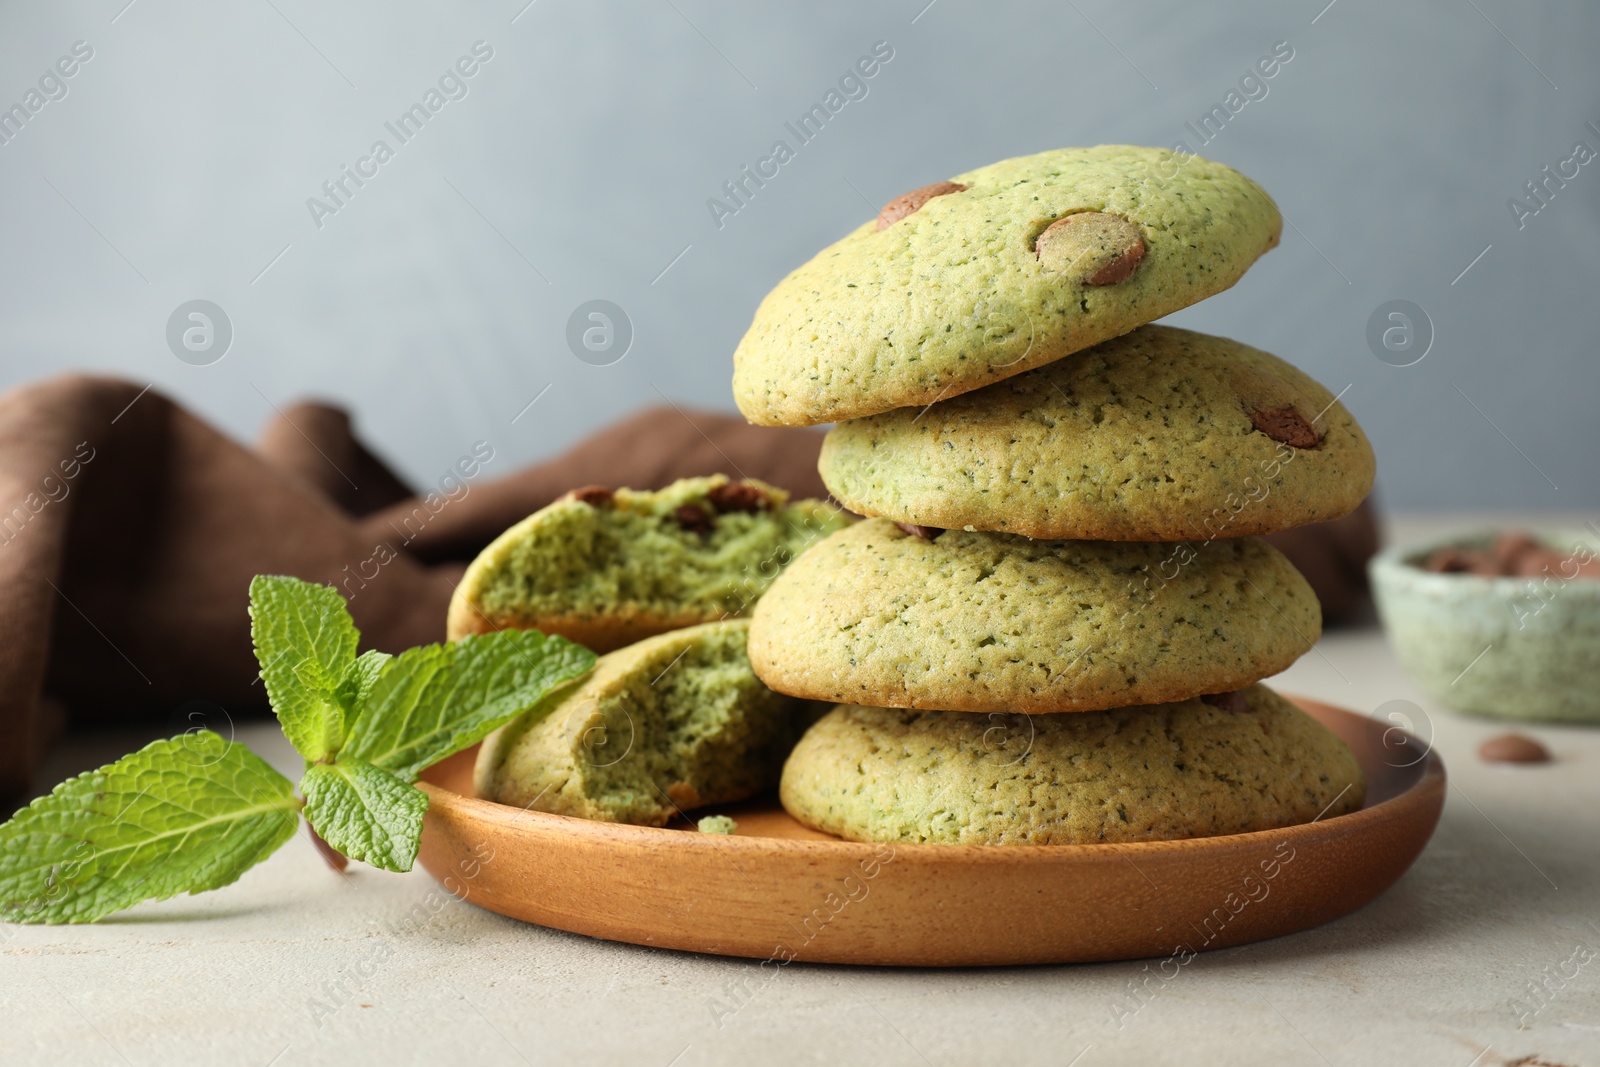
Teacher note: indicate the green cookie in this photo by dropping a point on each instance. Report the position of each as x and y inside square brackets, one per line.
[1001, 270]
[1180, 770]
[996, 622]
[1158, 435]
[608, 567]
[658, 728]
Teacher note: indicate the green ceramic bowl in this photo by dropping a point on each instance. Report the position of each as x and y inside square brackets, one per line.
[1508, 648]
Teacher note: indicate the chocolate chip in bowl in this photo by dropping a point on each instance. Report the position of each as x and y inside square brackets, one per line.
[1503, 624]
[1514, 555]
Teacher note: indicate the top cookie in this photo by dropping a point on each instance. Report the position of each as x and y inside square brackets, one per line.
[964, 283]
[1159, 435]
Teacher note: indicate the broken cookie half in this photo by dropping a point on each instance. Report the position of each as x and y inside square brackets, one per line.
[658, 729]
[607, 567]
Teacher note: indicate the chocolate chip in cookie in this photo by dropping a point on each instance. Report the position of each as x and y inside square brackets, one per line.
[596, 496]
[738, 496]
[1233, 701]
[909, 203]
[1287, 425]
[694, 519]
[926, 533]
[1091, 247]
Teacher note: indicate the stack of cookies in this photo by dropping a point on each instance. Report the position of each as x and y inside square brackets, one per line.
[1051, 626]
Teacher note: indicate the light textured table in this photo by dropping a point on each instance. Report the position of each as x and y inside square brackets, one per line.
[296, 964]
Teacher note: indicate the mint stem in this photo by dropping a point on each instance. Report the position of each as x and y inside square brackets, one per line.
[332, 856]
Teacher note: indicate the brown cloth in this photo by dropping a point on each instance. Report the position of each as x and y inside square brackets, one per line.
[130, 530]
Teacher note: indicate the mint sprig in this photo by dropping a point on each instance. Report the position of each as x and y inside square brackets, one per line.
[439, 699]
[372, 723]
[195, 812]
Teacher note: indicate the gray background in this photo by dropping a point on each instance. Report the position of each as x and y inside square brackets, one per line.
[578, 165]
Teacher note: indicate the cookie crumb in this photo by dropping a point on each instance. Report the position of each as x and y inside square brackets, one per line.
[717, 824]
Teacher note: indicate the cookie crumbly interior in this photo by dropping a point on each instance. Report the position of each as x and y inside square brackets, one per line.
[662, 727]
[642, 553]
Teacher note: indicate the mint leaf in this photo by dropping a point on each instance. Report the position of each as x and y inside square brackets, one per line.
[358, 681]
[306, 644]
[434, 701]
[314, 677]
[185, 815]
[365, 812]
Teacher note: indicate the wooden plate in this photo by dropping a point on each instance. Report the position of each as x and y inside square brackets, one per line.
[779, 891]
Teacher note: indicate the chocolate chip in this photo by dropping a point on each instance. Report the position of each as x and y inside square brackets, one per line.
[1091, 247]
[927, 533]
[1233, 701]
[1513, 748]
[738, 496]
[1453, 560]
[594, 495]
[1287, 425]
[909, 203]
[694, 519]
[1518, 553]
[1513, 555]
